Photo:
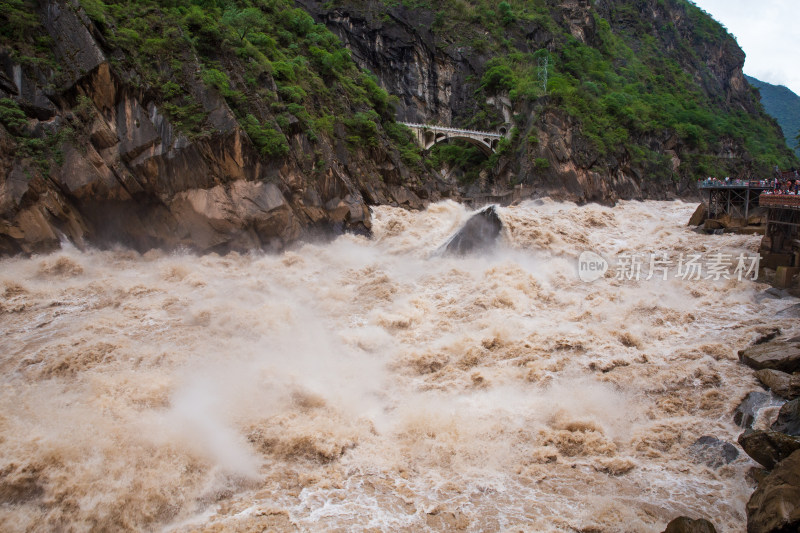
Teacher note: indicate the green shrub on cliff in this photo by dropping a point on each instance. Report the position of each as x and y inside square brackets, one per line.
[12, 116]
[269, 141]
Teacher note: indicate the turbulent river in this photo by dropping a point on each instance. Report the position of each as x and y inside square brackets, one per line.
[376, 384]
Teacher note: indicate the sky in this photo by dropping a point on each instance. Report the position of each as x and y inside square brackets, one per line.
[769, 33]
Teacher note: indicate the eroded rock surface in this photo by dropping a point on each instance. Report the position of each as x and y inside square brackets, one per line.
[775, 505]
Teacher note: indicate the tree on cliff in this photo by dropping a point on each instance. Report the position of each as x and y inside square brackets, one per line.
[244, 21]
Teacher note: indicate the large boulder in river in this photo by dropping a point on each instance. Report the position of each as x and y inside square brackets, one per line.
[780, 383]
[684, 524]
[768, 448]
[480, 231]
[781, 355]
[699, 216]
[774, 507]
[788, 421]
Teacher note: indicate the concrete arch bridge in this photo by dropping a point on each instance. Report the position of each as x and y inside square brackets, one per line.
[427, 135]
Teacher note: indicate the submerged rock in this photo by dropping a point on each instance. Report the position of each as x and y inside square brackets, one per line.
[793, 311]
[768, 448]
[480, 231]
[713, 452]
[747, 411]
[684, 524]
[788, 421]
[774, 507]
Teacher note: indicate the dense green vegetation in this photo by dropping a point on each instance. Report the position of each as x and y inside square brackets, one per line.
[784, 105]
[625, 85]
[278, 70]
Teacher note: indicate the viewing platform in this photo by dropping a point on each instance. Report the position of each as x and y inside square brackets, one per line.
[735, 198]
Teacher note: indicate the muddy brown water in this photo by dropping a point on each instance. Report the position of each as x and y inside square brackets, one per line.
[373, 385]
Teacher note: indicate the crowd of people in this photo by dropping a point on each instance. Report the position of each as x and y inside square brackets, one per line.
[785, 187]
[787, 182]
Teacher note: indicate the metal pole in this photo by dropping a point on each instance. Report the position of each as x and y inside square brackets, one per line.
[747, 205]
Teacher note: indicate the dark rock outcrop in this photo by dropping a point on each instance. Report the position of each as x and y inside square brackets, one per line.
[768, 448]
[788, 421]
[774, 507]
[684, 524]
[479, 232]
[713, 452]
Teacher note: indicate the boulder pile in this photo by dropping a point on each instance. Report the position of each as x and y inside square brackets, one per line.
[774, 507]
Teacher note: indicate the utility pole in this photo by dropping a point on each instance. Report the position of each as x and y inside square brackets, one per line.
[544, 64]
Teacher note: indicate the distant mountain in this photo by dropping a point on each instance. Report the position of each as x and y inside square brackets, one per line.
[782, 104]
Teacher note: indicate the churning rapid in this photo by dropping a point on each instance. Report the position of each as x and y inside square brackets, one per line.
[377, 384]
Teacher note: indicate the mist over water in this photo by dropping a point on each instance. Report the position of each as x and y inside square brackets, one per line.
[375, 383]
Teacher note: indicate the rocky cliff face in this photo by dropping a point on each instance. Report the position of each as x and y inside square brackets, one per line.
[119, 171]
[436, 71]
[103, 144]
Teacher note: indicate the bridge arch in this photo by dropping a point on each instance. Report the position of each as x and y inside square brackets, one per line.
[428, 135]
[484, 145]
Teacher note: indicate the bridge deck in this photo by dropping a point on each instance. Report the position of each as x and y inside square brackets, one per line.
[453, 130]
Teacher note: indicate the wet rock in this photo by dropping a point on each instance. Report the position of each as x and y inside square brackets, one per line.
[747, 411]
[684, 524]
[781, 355]
[713, 452]
[774, 507]
[756, 475]
[768, 448]
[480, 232]
[699, 216]
[788, 421]
[772, 293]
[780, 383]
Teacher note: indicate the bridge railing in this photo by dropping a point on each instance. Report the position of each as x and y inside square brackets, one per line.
[454, 130]
[734, 184]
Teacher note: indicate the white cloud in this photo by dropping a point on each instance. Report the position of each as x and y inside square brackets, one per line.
[769, 33]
